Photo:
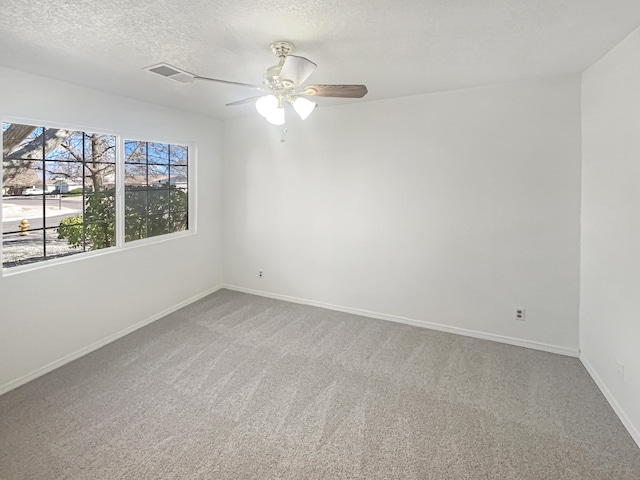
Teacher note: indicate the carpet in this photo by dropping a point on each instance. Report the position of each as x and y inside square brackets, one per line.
[237, 386]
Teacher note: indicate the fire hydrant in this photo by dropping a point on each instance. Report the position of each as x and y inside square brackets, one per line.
[24, 224]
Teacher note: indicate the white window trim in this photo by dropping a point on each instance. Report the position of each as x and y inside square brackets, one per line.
[120, 243]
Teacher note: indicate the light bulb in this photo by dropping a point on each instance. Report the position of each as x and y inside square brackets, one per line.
[276, 117]
[267, 105]
[303, 107]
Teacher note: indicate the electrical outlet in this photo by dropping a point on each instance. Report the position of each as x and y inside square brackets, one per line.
[620, 369]
[519, 314]
[259, 273]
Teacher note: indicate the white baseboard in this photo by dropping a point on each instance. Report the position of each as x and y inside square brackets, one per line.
[626, 421]
[101, 343]
[417, 323]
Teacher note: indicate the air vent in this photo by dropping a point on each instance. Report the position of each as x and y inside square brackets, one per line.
[171, 72]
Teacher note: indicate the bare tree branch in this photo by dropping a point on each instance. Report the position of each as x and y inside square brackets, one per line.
[33, 150]
[75, 155]
[19, 161]
[14, 135]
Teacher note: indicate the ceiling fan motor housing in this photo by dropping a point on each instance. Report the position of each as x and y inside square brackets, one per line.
[272, 73]
[280, 49]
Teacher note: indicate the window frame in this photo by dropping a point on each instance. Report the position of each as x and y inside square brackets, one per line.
[120, 136]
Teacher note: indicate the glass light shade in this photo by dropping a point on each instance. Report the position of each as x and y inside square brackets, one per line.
[303, 107]
[267, 105]
[276, 117]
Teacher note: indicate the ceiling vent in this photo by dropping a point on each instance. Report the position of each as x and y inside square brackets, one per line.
[171, 72]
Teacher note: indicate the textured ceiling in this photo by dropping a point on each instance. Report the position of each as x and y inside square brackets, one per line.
[396, 48]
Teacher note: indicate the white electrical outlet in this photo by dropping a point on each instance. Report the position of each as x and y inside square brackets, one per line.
[259, 273]
[519, 315]
[620, 369]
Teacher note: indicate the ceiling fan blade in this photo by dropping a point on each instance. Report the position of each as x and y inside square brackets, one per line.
[242, 102]
[296, 69]
[257, 87]
[342, 91]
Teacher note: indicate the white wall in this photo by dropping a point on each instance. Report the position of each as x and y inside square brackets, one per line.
[452, 208]
[610, 269]
[53, 312]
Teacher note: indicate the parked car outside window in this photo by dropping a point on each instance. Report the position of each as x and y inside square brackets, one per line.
[33, 191]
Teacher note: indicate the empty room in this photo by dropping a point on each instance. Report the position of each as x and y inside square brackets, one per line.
[320, 240]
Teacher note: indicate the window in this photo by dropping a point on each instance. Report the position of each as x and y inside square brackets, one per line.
[156, 179]
[61, 191]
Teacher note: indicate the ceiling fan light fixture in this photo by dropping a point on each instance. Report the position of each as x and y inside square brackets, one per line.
[276, 117]
[267, 105]
[303, 107]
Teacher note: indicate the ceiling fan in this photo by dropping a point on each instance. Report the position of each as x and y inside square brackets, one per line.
[282, 85]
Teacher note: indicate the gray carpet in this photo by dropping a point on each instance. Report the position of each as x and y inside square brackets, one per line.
[242, 387]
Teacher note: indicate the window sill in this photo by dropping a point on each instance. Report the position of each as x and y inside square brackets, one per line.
[7, 272]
